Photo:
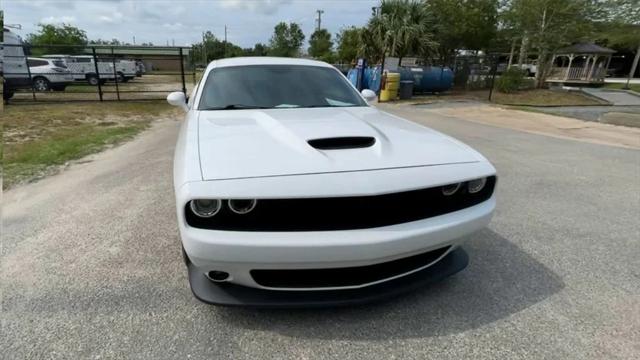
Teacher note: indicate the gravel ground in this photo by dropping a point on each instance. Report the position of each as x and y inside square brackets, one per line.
[91, 267]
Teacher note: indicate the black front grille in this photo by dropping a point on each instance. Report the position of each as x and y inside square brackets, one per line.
[343, 277]
[343, 213]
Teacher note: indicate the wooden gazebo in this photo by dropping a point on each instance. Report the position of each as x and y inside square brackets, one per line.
[582, 63]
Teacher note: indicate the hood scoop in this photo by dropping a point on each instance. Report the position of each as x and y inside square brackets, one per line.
[342, 143]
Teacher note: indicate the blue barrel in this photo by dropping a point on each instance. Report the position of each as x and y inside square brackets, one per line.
[371, 78]
[428, 78]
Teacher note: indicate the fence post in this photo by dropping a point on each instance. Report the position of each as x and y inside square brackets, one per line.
[494, 70]
[115, 72]
[184, 86]
[26, 62]
[95, 63]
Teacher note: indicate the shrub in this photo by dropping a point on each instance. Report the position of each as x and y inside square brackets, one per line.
[512, 80]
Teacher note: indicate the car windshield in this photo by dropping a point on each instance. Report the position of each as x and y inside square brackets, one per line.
[277, 86]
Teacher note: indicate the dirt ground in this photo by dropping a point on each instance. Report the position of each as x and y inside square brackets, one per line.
[535, 123]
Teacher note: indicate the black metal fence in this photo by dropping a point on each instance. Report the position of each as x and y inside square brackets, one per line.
[95, 73]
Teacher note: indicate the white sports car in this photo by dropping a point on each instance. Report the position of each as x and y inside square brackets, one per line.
[291, 191]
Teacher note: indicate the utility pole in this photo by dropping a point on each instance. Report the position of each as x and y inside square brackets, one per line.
[320, 12]
[225, 40]
[134, 39]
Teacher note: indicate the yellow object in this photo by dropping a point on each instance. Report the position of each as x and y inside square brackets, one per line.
[390, 87]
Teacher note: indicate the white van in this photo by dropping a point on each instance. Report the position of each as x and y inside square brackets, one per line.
[13, 66]
[83, 68]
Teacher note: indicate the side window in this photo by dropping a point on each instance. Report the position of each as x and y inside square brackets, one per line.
[83, 60]
[36, 63]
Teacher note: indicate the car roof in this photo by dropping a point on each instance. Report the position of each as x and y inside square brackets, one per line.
[38, 58]
[265, 60]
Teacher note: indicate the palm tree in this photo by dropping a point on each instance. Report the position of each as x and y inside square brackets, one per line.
[400, 28]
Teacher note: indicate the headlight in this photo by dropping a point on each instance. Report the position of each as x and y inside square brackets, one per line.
[476, 185]
[242, 207]
[450, 189]
[205, 208]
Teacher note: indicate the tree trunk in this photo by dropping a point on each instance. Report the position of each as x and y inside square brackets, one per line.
[513, 49]
[523, 50]
[543, 68]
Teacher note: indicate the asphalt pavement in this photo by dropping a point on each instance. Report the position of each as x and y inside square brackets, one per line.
[91, 267]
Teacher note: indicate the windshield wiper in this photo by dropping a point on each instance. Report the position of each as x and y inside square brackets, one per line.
[236, 107]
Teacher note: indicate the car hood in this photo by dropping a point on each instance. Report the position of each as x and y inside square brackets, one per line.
[274, 142]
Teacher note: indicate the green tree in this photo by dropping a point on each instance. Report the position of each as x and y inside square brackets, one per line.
[548, 25]
[621, 30]
[260, 49]
[64, 34]
[321, 45]
[348, 47]
[286, 40]
[462, 24]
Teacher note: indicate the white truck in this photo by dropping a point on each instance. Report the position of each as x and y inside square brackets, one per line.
[83, 68]
[126, 70]
[13, 66]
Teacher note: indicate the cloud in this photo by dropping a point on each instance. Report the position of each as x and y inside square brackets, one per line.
[113, 18]
[266, 7]
[173, 26]
[58, 20]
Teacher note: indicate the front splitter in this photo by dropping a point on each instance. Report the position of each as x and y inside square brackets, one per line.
[229, 294]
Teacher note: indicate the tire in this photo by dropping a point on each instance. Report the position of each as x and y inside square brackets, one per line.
[92, 80]
[120, 77]
[6, 95]
[103, 81]
[41, 84]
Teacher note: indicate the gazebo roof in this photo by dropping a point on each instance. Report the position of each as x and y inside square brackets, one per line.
[585, 48]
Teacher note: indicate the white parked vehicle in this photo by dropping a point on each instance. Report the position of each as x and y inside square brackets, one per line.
[140, 68]
[49, 74]
[83, 68]
[13, 65]
[126, 70]
[292, 191]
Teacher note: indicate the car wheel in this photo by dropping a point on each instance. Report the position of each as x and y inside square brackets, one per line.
[6, 95]
[41, 84]
[120, 77]
[92, 80]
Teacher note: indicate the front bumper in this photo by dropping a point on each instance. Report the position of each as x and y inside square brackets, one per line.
[230, 294]
[237, 253]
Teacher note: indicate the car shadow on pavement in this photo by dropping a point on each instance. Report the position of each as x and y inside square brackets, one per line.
[500, 281]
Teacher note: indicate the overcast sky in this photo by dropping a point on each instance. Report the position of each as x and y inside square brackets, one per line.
[159, 21]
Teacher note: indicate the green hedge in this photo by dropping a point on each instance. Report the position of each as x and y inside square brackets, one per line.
[512, 80]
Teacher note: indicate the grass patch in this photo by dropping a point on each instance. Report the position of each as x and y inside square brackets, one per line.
[40, 137]
[620, 86]
[534, 97]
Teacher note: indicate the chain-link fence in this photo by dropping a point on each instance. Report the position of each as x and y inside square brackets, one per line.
[95, 73]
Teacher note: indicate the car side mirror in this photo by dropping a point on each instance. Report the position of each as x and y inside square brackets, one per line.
[177, 98]
[369, 95]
